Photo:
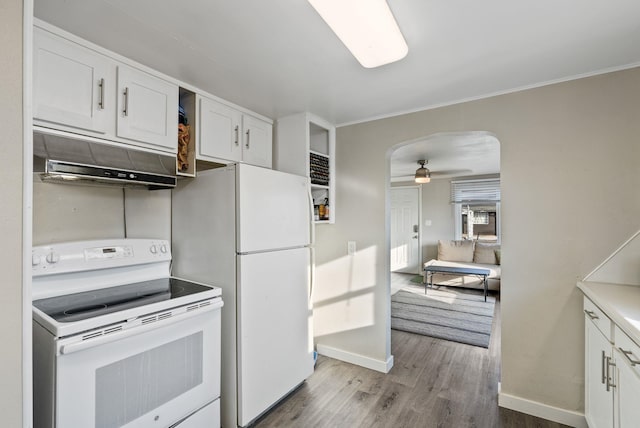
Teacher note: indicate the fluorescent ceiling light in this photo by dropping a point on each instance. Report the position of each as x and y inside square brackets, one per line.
[366, 27]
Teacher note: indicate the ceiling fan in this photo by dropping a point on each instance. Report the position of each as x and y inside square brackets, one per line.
[423, 175]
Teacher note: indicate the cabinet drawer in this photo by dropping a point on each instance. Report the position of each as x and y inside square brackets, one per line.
[599, 319]
[628, 350]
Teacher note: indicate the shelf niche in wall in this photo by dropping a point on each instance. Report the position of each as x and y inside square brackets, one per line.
[305, 145]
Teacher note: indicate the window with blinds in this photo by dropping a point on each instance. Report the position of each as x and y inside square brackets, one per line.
[475, 191]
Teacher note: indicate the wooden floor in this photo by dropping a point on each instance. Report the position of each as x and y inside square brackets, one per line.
[433, 383]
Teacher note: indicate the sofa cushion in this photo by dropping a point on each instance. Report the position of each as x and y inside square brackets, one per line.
[486, 253]
[456, 251]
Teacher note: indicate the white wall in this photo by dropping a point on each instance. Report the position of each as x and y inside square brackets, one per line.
[63, 212]
[570, 180]
[11, 213]
[436, 207]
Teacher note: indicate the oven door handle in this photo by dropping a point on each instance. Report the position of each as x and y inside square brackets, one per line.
[112, 337]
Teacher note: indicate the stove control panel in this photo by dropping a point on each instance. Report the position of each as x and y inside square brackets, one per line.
[78, 256]
[115, 252]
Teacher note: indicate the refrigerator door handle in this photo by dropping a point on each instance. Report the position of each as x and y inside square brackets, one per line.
[312, 233]
[312, 269]
[312, 229]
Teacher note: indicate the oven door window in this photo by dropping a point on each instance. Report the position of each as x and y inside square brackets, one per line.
[150, 379]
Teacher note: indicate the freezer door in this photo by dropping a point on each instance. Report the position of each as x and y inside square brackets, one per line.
[274, 210]
[275, 349]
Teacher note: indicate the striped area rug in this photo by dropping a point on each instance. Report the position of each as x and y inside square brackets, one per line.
[446, 313]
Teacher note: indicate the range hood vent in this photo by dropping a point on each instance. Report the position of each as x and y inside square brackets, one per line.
[69, 171]
[71, 158]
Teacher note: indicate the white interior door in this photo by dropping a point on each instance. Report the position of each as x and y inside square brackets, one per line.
[405, 227]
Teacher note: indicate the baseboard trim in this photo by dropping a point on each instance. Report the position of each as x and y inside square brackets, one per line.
[545, 411]
[357, 359]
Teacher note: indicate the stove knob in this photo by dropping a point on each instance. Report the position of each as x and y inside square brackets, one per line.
[35, 260]
[53, 257]
[163, 249]
[153, 249]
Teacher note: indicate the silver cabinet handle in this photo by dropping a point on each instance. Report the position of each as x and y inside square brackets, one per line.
[610, 384]
[101, 86]
[591, 315]
[237, 135]
[126, 102]
[627, 355]
[248, 138]
[604, 374]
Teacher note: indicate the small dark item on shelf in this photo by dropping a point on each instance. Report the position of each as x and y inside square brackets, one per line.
[326, 209]
[182, 116]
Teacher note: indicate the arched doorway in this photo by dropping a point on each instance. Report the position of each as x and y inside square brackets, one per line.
[464, 157]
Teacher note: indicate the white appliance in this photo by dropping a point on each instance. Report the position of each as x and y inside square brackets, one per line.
[118, 342]
[252, 239]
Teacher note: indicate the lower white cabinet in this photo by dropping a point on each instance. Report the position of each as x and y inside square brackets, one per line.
[612, 373]
[627, 357]
[599, 401]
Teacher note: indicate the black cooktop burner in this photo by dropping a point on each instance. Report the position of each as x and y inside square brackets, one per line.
[89, 304]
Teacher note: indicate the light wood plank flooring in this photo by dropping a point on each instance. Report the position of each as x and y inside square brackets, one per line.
[433, 383]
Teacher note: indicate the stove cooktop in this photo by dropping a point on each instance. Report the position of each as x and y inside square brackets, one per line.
[82, 306]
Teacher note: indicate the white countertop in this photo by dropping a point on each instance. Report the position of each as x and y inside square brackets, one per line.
[621, 303]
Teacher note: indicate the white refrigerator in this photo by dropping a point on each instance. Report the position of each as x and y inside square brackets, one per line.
[248, 230]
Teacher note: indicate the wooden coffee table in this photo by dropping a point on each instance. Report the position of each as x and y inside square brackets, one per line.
[480, 272]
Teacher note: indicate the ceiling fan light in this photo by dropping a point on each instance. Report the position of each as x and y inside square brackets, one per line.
[422, 179]
[423, 175]
[366, 27]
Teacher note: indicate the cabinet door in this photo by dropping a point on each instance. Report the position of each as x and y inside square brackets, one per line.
[628, 386]
[257, 142]
[598, 401]
[72, 85]
[147, 109]
[220, 133]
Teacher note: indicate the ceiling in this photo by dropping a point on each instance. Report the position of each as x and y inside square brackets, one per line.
[448, 155]
[278, 57]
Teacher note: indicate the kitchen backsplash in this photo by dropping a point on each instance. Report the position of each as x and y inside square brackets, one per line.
[75, 212]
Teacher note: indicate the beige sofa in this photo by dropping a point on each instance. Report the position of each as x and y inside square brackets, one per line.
[473, 254]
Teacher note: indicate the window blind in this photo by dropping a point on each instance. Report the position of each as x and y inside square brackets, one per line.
[476, 191]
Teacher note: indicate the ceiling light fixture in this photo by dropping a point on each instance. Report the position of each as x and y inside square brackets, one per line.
[366, 27]
[423, 175]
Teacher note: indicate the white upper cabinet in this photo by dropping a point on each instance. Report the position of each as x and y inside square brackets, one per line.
[147, 108]
[257, 146]
[79, 89]
[226, 134]
[73, 85]
[220, 131]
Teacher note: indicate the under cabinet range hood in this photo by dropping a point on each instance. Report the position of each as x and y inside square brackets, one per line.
[67, 159]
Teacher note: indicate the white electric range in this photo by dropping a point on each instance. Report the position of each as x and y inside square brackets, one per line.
[118, 342]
